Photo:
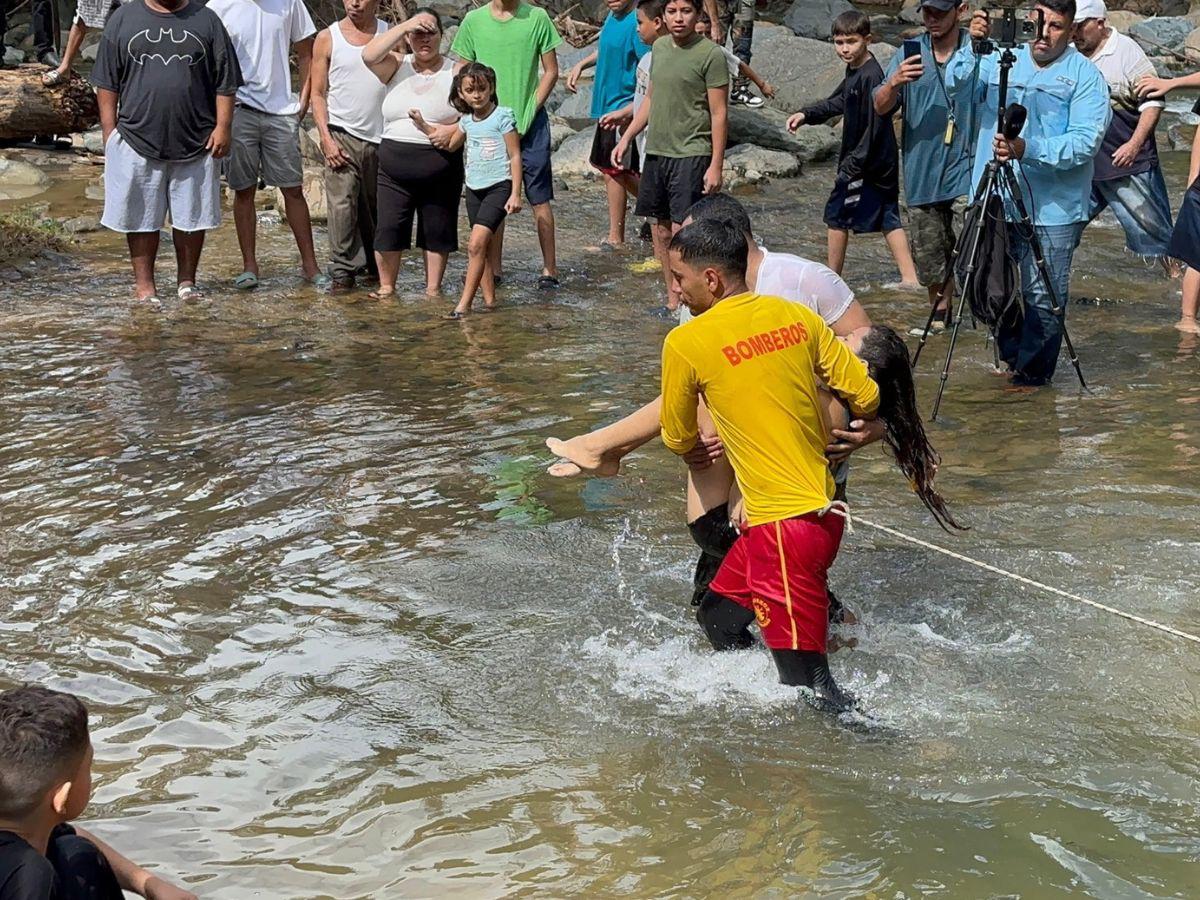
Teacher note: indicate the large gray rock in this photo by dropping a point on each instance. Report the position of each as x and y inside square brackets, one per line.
[812, 18]
[570, 161]
[1158, 34]
[19, 180]
[310, 146]
[574, 106]
[803, 70]
[314, 192]
[768, 128]
[560, 130]
[13, 56]
[747, 164]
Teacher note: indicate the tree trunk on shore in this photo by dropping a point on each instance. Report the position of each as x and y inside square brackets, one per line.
[29, 108]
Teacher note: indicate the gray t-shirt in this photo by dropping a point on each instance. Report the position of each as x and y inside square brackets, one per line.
[167, 70]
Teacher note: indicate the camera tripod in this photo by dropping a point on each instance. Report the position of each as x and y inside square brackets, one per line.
[999, 180]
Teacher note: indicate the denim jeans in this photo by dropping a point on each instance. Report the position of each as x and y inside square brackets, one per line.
[1030, 345]
[1141, 206]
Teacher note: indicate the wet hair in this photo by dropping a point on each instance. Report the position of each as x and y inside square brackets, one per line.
[851, 22]
[651, 9]
[476, 71]
[712, 243]
[886, 356]
[43, 738]
[721, 208]
[1065, 8]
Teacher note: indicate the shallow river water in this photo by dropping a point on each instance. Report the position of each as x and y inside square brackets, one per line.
[342, 637]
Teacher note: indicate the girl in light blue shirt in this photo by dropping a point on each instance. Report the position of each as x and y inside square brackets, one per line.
[493, 170]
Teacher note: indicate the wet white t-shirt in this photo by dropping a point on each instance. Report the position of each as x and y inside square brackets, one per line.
[801, 281]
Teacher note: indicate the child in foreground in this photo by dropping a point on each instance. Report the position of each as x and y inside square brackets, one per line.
[45, 782]
[866, 191]
[493, 169]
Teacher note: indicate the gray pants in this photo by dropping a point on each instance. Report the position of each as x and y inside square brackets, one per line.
[350, 195]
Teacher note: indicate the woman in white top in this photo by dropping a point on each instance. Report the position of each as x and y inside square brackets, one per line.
[420, 175]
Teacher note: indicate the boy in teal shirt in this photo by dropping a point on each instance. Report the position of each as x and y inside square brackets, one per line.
[616, 59]
[513, 38]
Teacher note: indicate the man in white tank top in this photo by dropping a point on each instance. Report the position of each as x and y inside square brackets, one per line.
[347, 102]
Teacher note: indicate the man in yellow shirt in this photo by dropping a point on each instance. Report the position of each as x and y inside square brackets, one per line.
[756, 360]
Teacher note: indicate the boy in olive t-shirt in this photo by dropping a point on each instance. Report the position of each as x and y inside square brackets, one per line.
[686, 111]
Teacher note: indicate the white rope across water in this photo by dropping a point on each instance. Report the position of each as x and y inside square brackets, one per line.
[858, 520]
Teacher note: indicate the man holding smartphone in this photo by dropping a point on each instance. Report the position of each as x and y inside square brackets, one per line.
[936, 142]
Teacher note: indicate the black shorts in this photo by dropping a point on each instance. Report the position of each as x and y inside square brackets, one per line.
[486, 207]
[603, 144]
[670, 186]
[418, 181]
[862, 208]
[536, 174]
[1185, 238]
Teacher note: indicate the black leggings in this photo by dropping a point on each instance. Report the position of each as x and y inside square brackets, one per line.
[421, 182]
[727, 625]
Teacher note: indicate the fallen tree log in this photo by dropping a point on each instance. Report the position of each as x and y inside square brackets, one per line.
[29, 108]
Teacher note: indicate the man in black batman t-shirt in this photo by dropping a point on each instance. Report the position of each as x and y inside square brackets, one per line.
[166, 74]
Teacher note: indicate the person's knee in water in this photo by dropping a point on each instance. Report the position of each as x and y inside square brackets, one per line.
[726, 623]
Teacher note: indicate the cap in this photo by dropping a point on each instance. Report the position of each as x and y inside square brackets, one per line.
[1090, 9]
[940, 5]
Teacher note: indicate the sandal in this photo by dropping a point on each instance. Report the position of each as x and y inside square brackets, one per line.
[454, 315]
[547, 282]
[189, 292]
[54, 78]
[320, 281]
[152, 302]
[382, 294]
[247, 281]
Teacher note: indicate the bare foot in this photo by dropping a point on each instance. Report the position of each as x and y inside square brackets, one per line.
[1188, 325]
[582, 458]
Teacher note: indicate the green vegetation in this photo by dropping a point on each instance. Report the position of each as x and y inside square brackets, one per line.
[25, 233]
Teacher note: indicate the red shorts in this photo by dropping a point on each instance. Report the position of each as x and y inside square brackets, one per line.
[779, 571]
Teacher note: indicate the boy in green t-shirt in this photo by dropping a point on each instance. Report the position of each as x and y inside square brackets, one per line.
[686, 111]
[513, 38]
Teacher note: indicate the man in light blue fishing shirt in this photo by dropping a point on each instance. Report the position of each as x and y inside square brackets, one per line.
[1067, 100]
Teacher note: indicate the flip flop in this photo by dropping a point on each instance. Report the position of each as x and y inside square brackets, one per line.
[381, 295]
[454, 315]
[320, 281]
[54, 77]
[247, 281]
[152, 302]
[547, 282]
[189, 292]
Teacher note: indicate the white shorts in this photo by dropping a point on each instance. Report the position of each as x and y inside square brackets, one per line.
[140, 192]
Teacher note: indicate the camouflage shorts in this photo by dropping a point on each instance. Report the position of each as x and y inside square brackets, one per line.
[933, 231]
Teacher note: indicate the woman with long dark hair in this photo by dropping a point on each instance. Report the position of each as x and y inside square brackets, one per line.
[887, 359]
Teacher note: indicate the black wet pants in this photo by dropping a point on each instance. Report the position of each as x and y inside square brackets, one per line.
[727, 625]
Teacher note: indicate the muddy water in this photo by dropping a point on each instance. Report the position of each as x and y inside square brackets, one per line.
[342, 638]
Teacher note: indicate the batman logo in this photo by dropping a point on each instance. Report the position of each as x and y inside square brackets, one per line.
[166, 47]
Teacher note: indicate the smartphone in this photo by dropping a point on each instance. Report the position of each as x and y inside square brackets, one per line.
[911, 47]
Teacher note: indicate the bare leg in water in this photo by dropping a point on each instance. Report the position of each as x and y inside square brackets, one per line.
[600, 452]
